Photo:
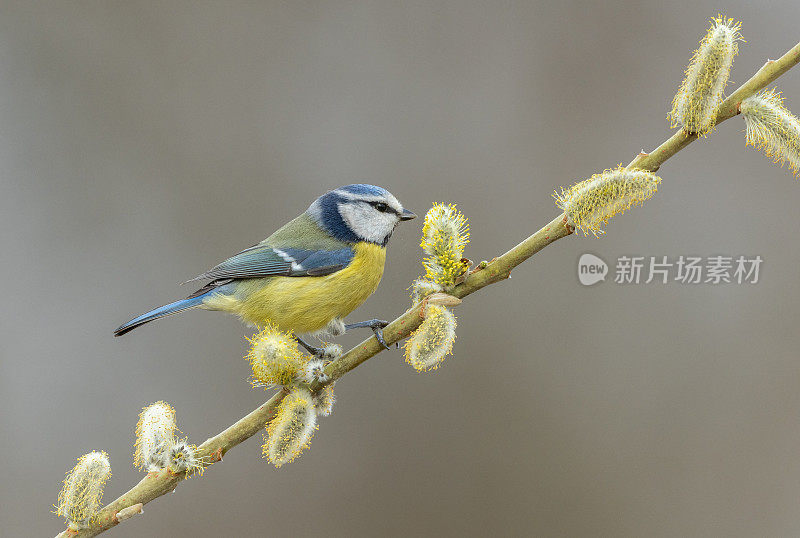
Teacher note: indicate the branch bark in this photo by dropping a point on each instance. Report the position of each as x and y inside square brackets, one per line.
[212, 450]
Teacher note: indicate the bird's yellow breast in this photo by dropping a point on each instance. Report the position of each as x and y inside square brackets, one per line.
[306, 304]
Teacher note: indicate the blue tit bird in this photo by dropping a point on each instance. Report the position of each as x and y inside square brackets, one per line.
[310, 274]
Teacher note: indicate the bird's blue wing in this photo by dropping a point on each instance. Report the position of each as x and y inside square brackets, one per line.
[262, 261]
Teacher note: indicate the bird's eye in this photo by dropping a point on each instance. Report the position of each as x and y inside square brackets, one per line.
[383, 208]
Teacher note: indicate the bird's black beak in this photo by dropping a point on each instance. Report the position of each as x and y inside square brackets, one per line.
[407, 215]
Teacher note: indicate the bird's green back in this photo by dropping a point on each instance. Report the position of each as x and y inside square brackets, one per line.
[303, 233]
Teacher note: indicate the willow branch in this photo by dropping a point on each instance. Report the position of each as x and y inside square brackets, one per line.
[159, 483]
[729, 108]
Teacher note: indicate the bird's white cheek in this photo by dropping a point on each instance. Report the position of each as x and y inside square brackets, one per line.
[366, 223]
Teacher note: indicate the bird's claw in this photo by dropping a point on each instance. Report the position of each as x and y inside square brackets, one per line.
[378, 330]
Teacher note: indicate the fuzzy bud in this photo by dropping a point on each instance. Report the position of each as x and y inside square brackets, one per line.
[82, 495]
[274, 358]
[772, 128]
[331, 351]
[314, 371]
[290, 431]
[590, 204]
[182, 457]
[433, 340]
[324, 400]
[444, 236]
[155, 432]
[421, 288]
[697, 102]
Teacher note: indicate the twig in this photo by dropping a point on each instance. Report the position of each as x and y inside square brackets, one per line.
[729, 108]
[157, 484]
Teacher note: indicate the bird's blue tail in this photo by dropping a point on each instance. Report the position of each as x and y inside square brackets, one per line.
[163, 311]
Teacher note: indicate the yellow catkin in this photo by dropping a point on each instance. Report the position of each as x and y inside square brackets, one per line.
[155, 433]
[274, 358]
[82, 495]
[290, 432]
[698, 99]
[444, 236]
[590, 204]
[324, 400]
[772, 128]
[433, 340]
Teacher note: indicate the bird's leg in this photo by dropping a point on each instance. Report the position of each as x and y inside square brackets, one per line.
[376, 325]
[325, 353]
[316, 351]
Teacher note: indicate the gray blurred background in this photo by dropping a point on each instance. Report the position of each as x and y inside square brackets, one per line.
[143, 142]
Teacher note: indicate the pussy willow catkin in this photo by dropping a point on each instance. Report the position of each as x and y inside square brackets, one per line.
[324, 400]
[444, 236]
[772, 128]
[82, 494]
[182, 457]
[274, 358]
[433, 340]
[590, 204]
[289, 433]
[155, 433]
[421, 288]
[314, 370]
[698, 99]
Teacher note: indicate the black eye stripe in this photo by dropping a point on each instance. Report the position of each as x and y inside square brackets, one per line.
[383, 207]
